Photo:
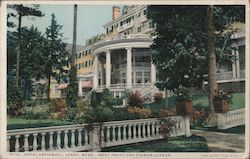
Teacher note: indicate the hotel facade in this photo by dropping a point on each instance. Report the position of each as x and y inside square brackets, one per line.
[120, 59]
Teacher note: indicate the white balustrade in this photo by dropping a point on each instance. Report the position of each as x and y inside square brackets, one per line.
[77, 138]
[44, 139]
[231, 119]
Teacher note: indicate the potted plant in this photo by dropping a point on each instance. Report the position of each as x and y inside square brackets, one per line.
[221, 101]
[184, 104]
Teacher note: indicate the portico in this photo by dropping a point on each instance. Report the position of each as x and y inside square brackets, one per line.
[123, 64]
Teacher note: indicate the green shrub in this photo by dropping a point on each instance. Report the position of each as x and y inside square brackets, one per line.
[37, 112]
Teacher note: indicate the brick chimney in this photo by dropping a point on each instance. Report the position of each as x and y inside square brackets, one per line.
[116, 12]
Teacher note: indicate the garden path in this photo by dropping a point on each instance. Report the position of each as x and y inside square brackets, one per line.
[222, 142]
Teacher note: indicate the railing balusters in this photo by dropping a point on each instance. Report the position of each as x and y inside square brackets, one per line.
[124, 134]
[35, 142]
[129, 131]
[102, 134]
[26, 142]
[17, 145]
[43, 142]
[85, 137]
[79, 137]
[153, 128]
[139, 131]
[51, 140]
[66, 141]
[134, 131]
[143, 130]
[58, 140]
[108, 133]
[148, 129]
[73, 142]
[113, 133]
[119, 133]
[157, 127]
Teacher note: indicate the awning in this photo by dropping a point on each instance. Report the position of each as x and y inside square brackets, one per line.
[87, 84]
[63, 86]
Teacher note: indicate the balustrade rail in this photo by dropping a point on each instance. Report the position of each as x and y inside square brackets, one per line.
[231, 119]
[81, 138]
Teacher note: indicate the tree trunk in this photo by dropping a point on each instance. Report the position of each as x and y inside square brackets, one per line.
[74, 37]
[48, 87]
[212, 81]
[18, 50]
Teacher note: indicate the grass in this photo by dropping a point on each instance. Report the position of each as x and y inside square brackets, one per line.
[199, 101]
[177, 144]
[19, 123]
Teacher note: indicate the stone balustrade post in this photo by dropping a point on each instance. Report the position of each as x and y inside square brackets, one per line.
[187, 126]
[95, 141]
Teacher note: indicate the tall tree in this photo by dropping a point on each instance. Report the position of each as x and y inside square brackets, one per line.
[72, 90]
[22, 11]
[212, 80]
[54, 55]
[183, 45]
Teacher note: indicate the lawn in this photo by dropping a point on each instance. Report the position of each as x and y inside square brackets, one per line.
[238, 102]
[177, 144]
[19, 123]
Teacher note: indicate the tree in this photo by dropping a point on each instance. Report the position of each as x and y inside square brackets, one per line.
[182, 43]
[72, 90]
[54, 54]
[21, 12]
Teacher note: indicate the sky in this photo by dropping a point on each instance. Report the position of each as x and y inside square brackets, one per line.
[90, 20]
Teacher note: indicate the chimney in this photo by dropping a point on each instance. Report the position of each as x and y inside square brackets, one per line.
[116, 12]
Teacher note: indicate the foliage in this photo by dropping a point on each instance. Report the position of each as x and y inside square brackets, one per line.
[37, 112]
[140, 113]
[158, 97]
[135, 100]
[181, 43]
[167, 112]
[222, 95]
[183, 95]
[14, 101]
[199, 117]
[79, 113]
[72, 89]
[57, 105]
[166, 126]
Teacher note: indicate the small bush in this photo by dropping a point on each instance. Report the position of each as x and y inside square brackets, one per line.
[58, 105]
[158, 97]
[166, 127]
[37, 112]
[135, 100]
[199, 117]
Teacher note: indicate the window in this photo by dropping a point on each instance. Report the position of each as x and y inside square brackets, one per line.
[144, 12]
[86, 64]
[138, 73]
[242, 57]
[89, 62]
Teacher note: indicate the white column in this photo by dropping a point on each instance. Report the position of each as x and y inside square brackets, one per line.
[95, 77]
[237, 63]
[79, 87]
[234, 65]
[153, 73]
[129, 68]
[108, 69]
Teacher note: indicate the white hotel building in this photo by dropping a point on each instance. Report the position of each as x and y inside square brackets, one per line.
[122, 58]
